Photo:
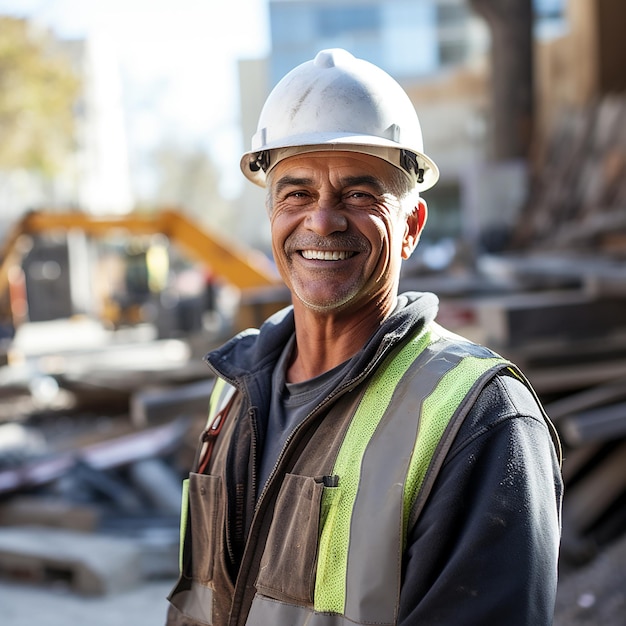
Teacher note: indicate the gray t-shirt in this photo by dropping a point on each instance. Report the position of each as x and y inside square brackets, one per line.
[290, 404]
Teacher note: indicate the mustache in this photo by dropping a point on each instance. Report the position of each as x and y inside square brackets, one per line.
[353, 243]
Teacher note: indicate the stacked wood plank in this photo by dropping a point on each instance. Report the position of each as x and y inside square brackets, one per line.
[577, 199]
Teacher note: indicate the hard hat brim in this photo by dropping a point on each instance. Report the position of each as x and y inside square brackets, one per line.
[365, 144]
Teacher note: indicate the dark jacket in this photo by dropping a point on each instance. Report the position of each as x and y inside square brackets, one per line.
[483, 550]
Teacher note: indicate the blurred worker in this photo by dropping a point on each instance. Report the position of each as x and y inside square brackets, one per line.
[362, 465]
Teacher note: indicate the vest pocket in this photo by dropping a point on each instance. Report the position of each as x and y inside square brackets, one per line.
[205, 498]
[288, 565]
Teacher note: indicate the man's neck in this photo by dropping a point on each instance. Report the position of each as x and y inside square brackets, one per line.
[324, 341]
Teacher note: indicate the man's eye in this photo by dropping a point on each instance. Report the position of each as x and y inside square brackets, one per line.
[358, 198]
[297, 194]
[295, 198]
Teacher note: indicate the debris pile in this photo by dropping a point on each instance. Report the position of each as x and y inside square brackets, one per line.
[92, 456]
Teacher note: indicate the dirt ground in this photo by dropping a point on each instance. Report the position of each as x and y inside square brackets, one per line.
[595, 595]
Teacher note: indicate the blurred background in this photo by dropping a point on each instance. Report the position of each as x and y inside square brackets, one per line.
[130, 245]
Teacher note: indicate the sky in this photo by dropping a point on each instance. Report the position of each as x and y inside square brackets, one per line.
[177, 60]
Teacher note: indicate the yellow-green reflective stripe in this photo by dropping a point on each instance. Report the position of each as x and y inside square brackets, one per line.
[437, 410]
[330, 587]
[183, 522]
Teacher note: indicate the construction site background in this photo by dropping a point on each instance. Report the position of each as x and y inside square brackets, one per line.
[104, 320]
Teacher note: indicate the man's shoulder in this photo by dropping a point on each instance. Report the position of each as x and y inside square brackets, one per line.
[504, 402]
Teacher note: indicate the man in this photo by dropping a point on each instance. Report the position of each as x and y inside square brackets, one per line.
[361, 465]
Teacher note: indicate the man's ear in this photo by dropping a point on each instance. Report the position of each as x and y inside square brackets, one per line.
[414, 225]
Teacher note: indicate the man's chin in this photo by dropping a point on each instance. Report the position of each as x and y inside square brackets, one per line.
[323, 305]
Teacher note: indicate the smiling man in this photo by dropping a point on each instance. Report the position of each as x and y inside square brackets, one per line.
[362, 465]
[340, 231]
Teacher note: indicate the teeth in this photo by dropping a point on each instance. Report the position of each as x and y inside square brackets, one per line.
[322, 255]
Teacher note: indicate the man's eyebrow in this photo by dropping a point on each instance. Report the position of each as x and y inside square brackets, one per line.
[348, 181]
[366, 179]
[291, 181]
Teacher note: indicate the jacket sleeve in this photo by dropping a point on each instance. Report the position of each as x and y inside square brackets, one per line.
[485, 548]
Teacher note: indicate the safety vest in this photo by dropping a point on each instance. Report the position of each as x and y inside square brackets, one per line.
[393, 449]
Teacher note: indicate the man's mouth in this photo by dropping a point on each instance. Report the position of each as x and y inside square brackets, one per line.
[327, 255]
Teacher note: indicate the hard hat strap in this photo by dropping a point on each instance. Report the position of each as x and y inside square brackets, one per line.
[408, 161]
[261, 161]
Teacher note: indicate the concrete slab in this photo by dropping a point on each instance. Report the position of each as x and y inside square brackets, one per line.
[25, 605]
[85, 562]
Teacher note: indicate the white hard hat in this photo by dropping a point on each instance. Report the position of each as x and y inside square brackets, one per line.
[339, 102]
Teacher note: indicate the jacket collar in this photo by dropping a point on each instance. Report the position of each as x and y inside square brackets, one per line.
[252, 351]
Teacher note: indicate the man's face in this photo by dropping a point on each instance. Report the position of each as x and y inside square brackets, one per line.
[338, 234]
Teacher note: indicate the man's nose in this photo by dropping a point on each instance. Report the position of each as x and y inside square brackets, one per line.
[326, 217]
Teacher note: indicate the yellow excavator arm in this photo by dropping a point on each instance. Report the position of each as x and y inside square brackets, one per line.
[240, 266]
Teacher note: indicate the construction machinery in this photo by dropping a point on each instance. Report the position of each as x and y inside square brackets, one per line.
[146, 264]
